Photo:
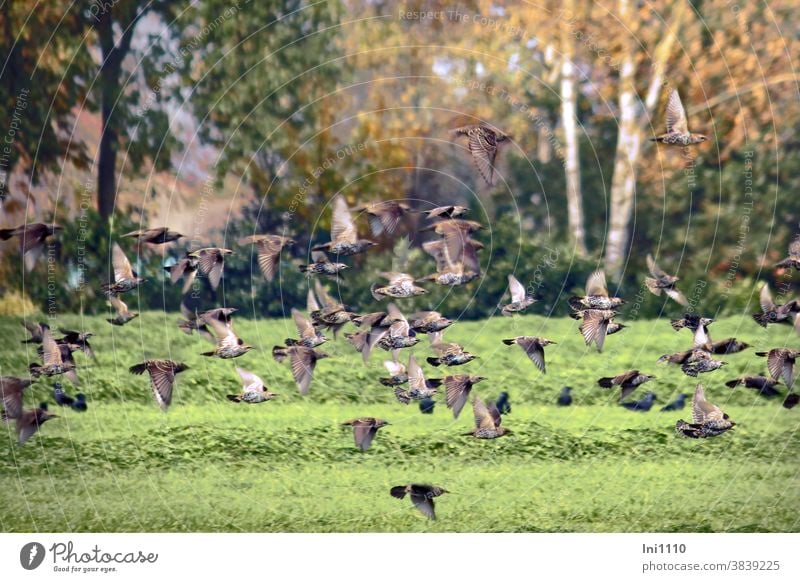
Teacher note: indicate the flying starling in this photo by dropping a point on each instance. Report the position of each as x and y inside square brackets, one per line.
[727, 346]
[780, 362]
[660, 281]
[384, 217]
[192, 323]
[53, 362]
[321, 264]
[418, 387]
[596, 295]
[699, 362]
[66, 358]
[793, 260]
[333, 316]
[520, 301]
[708, 419]
[211, 263]
[303, 361]
[155, 236]
[125, 278]
[229, 345]
[450, 354]
[772, 313]
[32, 238]
[565, 397]
[455, 253]
[676, 404]
[124, 315]
[421, 496]
[377, 325]
[483, 145]
[627, 381]
[678, 133]
[253, 390]
[533, 347]
[452, 211]
[399, 334]
[691, 322]
[344, 236]
[503, 403]
[643, 405]
[162, 378]
[596, 325]
[400, 285]
[430, 322]
[457, 390]
[29, 421]
[185, 268]
[268, 249]
[309, 336]
[11, 392]
[364, 430]
[397, 373]
[765, 386]
[487, 421]
[77, 338]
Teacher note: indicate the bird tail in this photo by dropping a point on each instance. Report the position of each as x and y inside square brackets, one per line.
[689, 371]
[279, 353]
[399, 492]
[386, 382]
[664, 358]
[761, 319]
[322, 247]
[575, 303]
[577, 315]
[6, 233]
[303, 268]
[208, 354]
[234, 397]
[434, 382]
[291, 342]
[677, 324]
[762, 354]
[652, 285]
[401, 396]
[185, 326]
[35, 370]
[605, 382]
[375, 296]
[732, 383]
[509, 342]
[434, 361]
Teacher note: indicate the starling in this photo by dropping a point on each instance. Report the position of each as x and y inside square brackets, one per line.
[123, 314]
[397, 373]
[453, 211]
[765, 386]
[678, 133]
[211, 263]
[596, 325]
[793, 260]
[303, 361]
[378, 324]
[780, 362]
[691, 322]
[450, 355]
[727, 346]
[771, 313]
[193, 322]
[565, 398]
[627, 381]
[268, 249]
[596, 295]
[791, 400]
[457, 389]
[399, 334]
[29, 421]
[162, 378]
[676, 404]
[400, 285]
[333, 316]
[430, 322]
[66, 358]
[77, 338]
[533, 347]
[344, 237]
[660, 281]
[421, 496]
[31, 240]
[708, 419]
[487, 421]
[364, 430]
[309, 336]
[155, 236]
[455, 253]
[53, 362]
[699, 362]
[185, 268]
[11, 393]
[322, 265]
[35, 329]
[229, 345]
[643, 405]
[483, 145]
[426, 405]
[253, 390]
[520, 301]
[503, 403]
[384, 217]
[125, 278]
[418, 387]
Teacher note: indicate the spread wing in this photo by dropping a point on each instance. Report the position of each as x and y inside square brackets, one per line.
[765, 299]
[594, 328]
[121, 264]
[516, 289]
[483, 415]
[211, 262]
[416, 378]
[676, 116]
[303, 363]
[702, 410]
[654, 269]
[342, 227]
[534, 350]
[457, 390]
[50, 350]
[118, 304]
[483, 147]
[304, 327]
[252, 383]
[425, 504]
[395, 368]
[269, 251]
[596, 284]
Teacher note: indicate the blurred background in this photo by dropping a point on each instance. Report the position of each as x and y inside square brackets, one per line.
[223, 118]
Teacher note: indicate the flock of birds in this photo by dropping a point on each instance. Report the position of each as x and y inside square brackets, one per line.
[456, 257]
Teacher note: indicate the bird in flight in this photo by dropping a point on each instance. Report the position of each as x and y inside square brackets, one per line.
[678, 133]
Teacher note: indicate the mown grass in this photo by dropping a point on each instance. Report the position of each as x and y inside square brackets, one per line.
[288, 465]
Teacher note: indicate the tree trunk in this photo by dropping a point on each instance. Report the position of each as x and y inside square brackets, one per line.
[107, 160]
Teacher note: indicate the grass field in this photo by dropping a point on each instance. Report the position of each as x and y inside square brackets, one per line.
[287, 465]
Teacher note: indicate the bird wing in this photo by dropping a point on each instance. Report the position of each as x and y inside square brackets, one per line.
[162, 379]
[594, 327]
[221, 330]
[118, 304]
[26, 428]
[269, 251]
[676, 116]
[677, 296]
[33, 328]
[342, 227]
[516, 289]
[303, 363]
[483, 147]
[395, 368]
[50, 351]
[311, 302]
[363, 434]
[211, 263]
[483, 416]
[304, 327]
[765, 299]
[322, 295]
[416, 378]
[399, 279]
[654, 269]
[457, 390]
[534, 350]
[11, 391]
[702, 410]
[596, 284]
[794, 248]
[252, 383]
[121, 264]
[319, 257]
[424, 504]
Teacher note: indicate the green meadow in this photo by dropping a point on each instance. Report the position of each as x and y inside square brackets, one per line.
[288, 466]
